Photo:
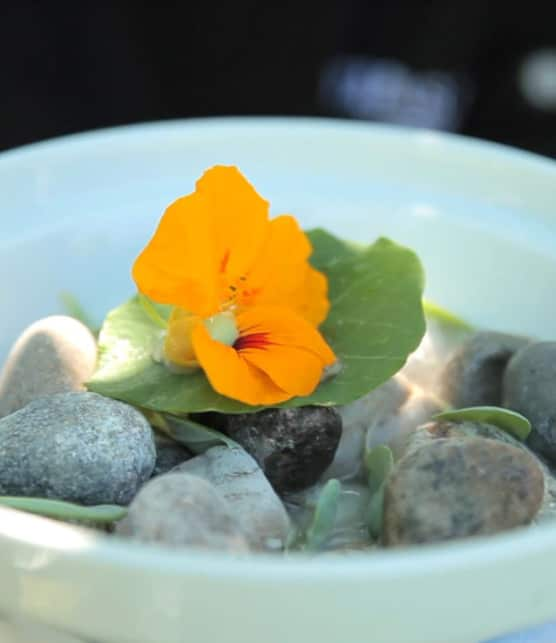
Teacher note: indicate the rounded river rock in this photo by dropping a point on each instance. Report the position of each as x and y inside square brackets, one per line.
[458, 488]
[530, 389]
[54, 355]
[473, 375]
[79, 447]
[292, 446]
[241, 482]
[178, 509]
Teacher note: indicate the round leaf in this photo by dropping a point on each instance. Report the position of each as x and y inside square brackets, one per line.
[376, 320]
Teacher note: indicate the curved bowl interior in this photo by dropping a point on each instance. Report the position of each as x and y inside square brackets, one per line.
[76, 211]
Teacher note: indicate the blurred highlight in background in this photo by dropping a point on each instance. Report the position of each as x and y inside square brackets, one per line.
[487, 69]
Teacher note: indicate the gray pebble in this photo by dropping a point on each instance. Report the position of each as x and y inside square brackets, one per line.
[530, 389]
[79, 447]
[54, 355]
[169, 454]
[240, 481]
[473, 375]
[178, 510]
[292, 446]
[458, 488]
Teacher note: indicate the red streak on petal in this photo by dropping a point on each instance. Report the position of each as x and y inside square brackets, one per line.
[255, 340]
[224, 262]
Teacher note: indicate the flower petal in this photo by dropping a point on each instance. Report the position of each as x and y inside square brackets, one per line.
[180, 264]
[231, 375]
[284, 346]
[282, 276]
[240, 218]
[311, 300]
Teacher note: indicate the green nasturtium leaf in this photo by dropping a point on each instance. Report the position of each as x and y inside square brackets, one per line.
[379, 462]
[510, 421]
[65, 510]
[324, 516]
[376, 320]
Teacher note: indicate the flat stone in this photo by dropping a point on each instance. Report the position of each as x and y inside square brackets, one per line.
[473, 375]
[79, 447]
[458, 488]
[293, 446]
[54, 355]
[251, 498]
[372, 410]
[529, 388]
[182, 510]
[169, 454]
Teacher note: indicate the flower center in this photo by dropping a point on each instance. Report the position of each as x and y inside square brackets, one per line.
[222, 328]
[255, 340]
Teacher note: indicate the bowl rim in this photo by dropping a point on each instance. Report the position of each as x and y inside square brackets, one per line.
[35, 532]
[156, 127]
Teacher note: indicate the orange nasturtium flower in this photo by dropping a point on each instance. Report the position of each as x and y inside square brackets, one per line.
[247, 303]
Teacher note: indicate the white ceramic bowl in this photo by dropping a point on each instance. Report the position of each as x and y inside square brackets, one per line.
[73, 214]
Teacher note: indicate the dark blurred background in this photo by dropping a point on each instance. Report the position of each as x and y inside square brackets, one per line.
[487, 69]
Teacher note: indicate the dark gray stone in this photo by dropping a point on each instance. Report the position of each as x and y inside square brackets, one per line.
[292, 446]
[177, 509]
[530, 389]
[458, 488]
[473, 375]
[169, 454]
[79, 447]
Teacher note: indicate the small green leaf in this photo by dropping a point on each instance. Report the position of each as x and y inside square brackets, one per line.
[324, 516]
[375, 512]
[65, 510]
[510, 421]
[198, 438]
[379, 463]
[73, 308]
[437, 313]
[376, 320]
